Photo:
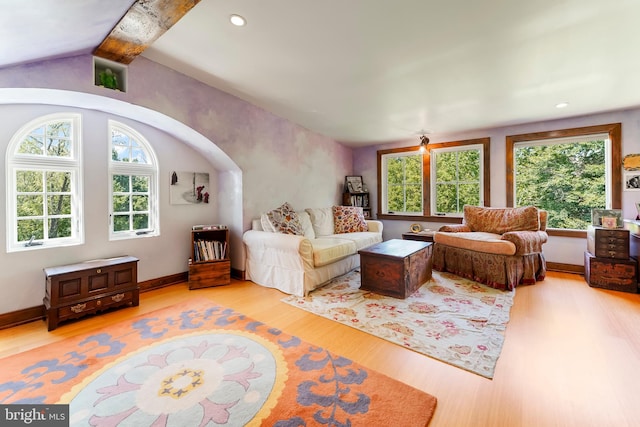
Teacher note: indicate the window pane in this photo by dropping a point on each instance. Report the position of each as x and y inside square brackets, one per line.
[29, 205]
[566, 179]
[59, 147]
[121, 203]
[446, 198]
[121, 223]
[395, 171]
[32, 144]
[457, 180]
[395, 198]
[140, 221]
[414, 199]
[469, 195]
[140, 184]
[120, 154]
[59, 182]
[121, 183]
[59, 227]
[30, 227]
[140, 203]
[59, 205]
[468, 165]
[29, 181]
[446, 167]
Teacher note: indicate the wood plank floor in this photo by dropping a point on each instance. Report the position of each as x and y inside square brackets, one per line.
[571, 355]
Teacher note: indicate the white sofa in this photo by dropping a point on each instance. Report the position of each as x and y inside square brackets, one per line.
[298, 264]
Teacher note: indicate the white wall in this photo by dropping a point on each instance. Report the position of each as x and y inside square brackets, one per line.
[563, 250]
[21, 274]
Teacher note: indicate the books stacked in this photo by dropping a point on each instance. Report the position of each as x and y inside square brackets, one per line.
[209, 250]
[209, 227]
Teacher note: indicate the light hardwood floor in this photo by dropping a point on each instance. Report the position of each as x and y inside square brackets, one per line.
[571, 355]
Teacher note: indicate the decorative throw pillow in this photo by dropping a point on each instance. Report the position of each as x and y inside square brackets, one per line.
[285, 220]
[349, 219]
[321, 220]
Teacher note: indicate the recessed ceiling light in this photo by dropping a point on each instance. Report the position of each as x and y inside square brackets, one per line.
[562, 105]
[237, 20]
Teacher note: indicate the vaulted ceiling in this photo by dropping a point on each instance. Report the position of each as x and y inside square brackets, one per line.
[368, 71]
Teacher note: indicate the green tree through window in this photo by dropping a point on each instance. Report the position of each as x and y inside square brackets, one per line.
[42, 172]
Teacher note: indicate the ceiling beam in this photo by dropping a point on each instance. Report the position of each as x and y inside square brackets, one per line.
[144, 22]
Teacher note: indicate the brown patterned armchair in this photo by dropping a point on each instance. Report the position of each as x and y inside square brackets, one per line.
[500, 247]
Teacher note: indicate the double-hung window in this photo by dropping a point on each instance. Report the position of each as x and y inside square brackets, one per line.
[133, 178]
[44, 184]
[402, 188]
[437, 182]
[456, 178]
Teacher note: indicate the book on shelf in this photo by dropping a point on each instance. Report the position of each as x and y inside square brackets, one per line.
[209, 250]
[209, 227]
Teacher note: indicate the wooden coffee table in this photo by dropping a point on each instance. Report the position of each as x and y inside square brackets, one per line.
[396, 268]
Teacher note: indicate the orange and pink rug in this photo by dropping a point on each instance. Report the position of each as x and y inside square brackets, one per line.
[197, 364]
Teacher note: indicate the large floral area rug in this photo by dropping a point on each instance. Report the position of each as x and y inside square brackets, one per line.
[200, 364]
[455, 320]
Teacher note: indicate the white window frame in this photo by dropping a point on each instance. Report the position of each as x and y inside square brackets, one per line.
[385, 182]
[149, 170]
[433, 171]
[19, 161]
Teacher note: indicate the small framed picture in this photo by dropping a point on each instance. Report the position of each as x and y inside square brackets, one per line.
[632, 181]
[609, 222]
[598, 215]
[354, 183]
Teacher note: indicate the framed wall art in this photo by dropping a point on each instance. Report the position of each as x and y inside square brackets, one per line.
[632, 181]
[189, 188]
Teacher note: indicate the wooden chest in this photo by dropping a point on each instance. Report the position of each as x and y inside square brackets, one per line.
[76, 290]
[396, 268]
[212, 273]
[608, 273]
[608, 242]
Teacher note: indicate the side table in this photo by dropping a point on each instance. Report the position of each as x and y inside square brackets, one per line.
[420, 237]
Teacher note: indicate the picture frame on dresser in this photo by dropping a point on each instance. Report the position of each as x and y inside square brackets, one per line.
[597, 216]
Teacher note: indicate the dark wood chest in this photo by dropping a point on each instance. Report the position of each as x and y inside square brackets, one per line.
[396, 268]
[76, 290]
[608, 242]
[611, 273]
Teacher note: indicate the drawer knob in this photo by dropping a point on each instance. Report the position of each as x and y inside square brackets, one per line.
[98, 303]
[78, 308]
[99, 271]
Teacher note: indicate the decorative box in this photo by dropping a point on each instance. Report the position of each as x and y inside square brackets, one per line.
[609, 273]
[608, 242]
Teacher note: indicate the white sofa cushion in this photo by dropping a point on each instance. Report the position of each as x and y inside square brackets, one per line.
[327, 250]
[478, 241]
[307, 227]
[321, 220]
[361, 239]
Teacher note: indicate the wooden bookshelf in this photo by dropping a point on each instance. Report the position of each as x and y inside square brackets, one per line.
[210, 264]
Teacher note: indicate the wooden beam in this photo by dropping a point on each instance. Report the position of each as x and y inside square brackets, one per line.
[144, 22]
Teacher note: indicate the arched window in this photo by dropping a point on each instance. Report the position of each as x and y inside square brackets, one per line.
[44, 184]
[133, 189]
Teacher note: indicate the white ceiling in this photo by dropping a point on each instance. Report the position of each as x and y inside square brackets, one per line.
[371, 71]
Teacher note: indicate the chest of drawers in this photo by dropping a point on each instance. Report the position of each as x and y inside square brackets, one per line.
[76, 290]
[608, 242]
